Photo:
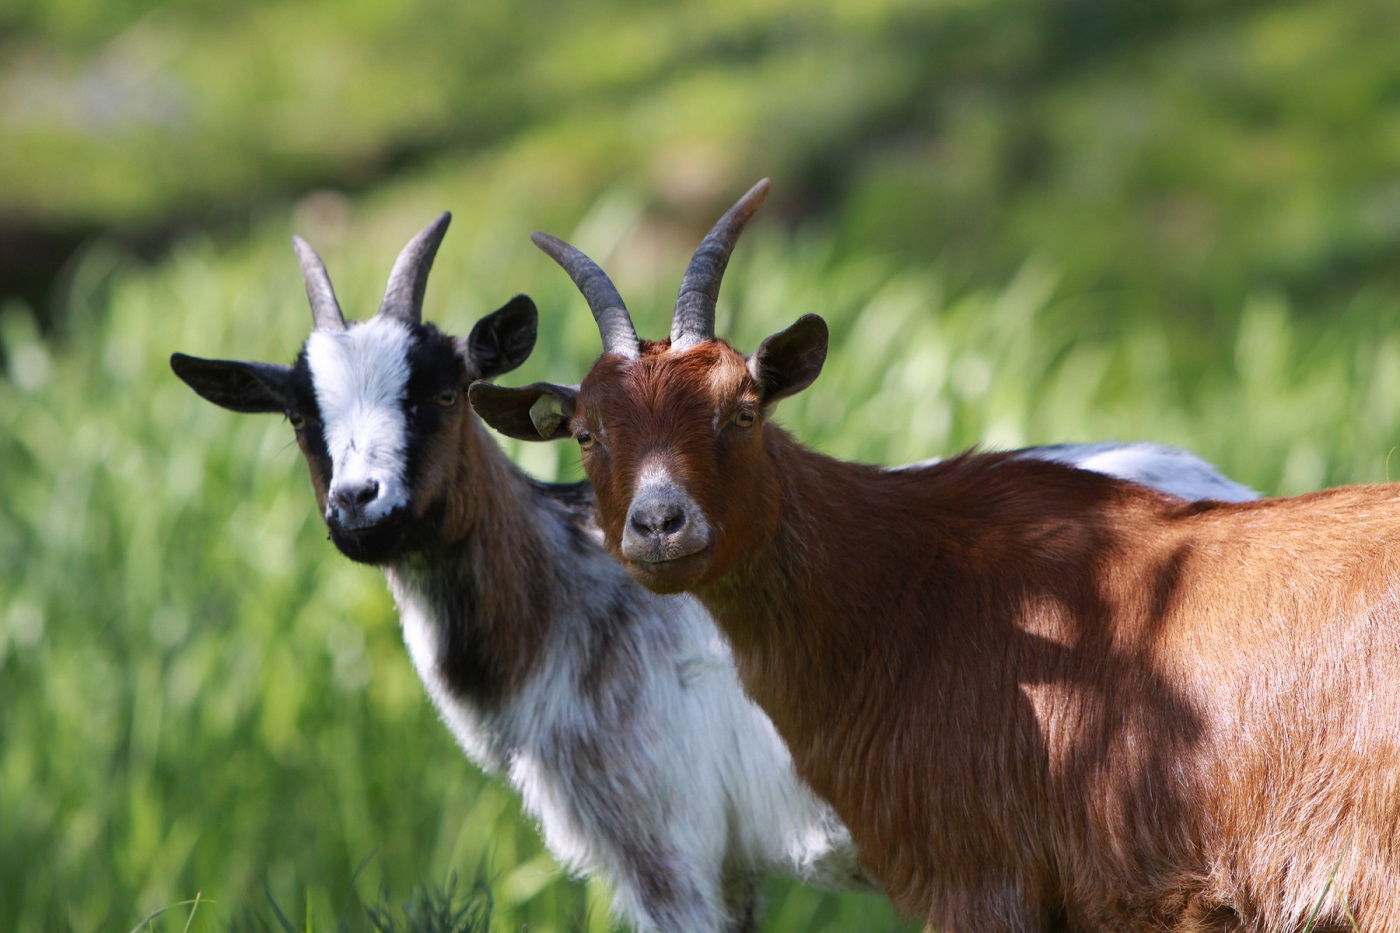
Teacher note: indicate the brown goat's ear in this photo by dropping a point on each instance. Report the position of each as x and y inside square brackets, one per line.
[247, 387]
[538, 412]
[502, 340]
[787, 362]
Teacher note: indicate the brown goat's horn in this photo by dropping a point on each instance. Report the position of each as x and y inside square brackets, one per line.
[325, 310]
[694, 320]
[614, 323]
[403, 296]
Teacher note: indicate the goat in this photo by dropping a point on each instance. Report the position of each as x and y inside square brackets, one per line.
[615, 713]
[1039, 697]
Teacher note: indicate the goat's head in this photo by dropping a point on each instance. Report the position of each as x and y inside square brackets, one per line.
[673, 432]
[378, 405]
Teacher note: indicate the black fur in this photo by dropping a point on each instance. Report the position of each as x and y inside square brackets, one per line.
[234, 384]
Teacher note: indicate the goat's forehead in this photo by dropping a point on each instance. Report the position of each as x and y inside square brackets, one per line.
[376, 353]
[698, 378]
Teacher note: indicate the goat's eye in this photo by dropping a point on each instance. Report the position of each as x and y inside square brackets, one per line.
[297, 419]
[446, 398]
[745, 418]
[585, 440]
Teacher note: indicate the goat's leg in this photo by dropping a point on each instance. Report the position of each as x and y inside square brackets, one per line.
[669, 893]
[743, 902]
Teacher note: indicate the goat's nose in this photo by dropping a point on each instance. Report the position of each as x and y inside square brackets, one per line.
[663, 523]
[657, 518]
[356, 495]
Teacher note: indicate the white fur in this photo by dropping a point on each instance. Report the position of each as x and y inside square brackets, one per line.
[1168, 469]
[361, 380]
[1171, 470]
[653, 473]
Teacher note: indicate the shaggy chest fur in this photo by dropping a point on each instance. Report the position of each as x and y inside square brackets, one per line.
[628, 735]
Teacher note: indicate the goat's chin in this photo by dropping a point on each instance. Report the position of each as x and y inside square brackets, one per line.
[670, 576]
[381, 543]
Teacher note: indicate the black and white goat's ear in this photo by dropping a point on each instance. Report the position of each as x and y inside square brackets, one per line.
[240, 386]
[502, 340]
[788, 362]
[538, 412]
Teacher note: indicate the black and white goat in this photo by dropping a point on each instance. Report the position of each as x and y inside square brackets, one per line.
[616, 713]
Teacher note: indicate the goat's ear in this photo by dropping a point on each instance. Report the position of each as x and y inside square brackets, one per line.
[538, 412]
[248, 387]
[502, 340]
[787, 362]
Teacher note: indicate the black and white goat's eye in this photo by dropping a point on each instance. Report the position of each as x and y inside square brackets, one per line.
[297, 419]
[446, 398]
[744, 418]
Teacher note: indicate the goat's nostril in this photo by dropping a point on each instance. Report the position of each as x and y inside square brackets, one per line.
[672, 522]
[356, 496]
[658, 520]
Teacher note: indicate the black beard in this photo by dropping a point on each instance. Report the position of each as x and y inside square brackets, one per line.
[398, 534]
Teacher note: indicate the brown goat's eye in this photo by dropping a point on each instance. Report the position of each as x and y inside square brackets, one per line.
[297, 419]
[446, 398]
[745, 418]
[585, 440]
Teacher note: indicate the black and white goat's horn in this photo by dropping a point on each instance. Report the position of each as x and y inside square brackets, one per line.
[694, 320]
[325, 310]
[614, 323]
[403, 296]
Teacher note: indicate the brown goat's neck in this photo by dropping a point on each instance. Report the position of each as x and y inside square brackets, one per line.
[878, 597]
[865, 566]
[801, 589]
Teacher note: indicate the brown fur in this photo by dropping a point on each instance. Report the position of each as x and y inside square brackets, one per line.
[1041, 697]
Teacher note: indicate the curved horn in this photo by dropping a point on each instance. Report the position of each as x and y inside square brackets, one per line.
[694, 320]
[325, 310]
[614, 323]
[403, 296]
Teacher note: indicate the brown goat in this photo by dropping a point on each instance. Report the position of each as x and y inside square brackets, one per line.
[1041, 698]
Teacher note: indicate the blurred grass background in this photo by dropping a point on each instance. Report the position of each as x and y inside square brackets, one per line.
[1026, 222]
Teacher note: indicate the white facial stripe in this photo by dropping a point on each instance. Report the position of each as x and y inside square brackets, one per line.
[361, 379]
[653, 473]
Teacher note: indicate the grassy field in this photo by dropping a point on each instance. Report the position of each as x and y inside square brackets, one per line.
[1183, 229]
[201, 696]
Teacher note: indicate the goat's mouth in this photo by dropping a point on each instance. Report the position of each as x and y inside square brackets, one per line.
[379, 543]
[670, 574]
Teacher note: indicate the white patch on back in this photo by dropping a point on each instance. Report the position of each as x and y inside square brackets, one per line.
[361, 379]
[1167, 469]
